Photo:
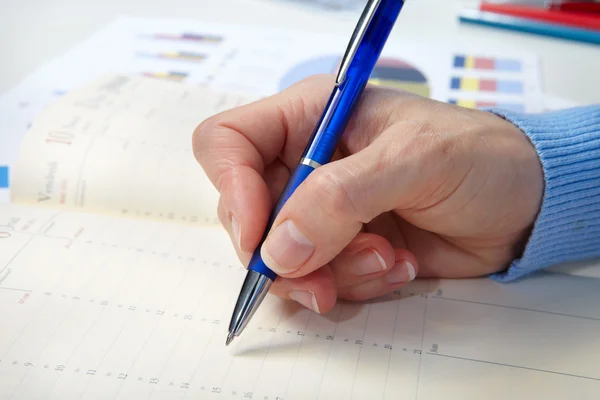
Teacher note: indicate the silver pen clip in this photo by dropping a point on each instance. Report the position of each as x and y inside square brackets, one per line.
[357, 36]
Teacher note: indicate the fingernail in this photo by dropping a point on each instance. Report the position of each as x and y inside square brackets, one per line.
[235, 225]
[401, 272]
[367, 262]
[306, 298]
[286, 248]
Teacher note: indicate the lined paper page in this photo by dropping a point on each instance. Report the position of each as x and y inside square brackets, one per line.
[104, 307]
[122, 145]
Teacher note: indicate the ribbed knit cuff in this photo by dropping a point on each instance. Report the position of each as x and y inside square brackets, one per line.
[568, 225]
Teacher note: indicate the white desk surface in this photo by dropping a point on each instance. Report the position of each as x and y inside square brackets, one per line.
[32, 32]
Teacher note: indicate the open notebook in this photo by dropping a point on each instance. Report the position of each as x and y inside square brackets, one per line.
[117, 282]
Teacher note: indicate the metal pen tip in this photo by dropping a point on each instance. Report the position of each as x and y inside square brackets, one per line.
[230, 338]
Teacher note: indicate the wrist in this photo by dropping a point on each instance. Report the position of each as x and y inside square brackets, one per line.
[567, 227]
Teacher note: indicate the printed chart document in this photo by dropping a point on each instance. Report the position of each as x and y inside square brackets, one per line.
[116, 282]
[260, 61]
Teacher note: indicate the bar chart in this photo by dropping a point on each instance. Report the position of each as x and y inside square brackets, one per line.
[388, 72]
[487, 63]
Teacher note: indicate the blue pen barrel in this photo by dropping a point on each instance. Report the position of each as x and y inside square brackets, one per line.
[342, 102]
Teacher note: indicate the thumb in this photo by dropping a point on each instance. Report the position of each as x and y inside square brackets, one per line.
[330, 207]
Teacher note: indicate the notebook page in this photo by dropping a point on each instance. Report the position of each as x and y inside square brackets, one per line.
[96, 306]
[122, 145]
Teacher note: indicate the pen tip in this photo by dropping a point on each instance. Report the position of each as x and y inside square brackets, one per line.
[229, 339]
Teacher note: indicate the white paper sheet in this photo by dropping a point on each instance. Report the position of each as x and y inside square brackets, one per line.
[106, 307]
[122, 145]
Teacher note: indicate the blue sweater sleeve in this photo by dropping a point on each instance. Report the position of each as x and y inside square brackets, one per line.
[567, 227]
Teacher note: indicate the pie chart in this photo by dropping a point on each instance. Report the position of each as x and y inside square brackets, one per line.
[388, 72]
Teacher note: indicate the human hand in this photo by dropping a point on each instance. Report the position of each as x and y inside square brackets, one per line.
[417, 187]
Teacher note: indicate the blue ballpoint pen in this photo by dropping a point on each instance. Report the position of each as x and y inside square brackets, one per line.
[362, 53]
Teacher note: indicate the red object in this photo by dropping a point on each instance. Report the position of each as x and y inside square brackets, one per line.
[577, 6]
[484, 63]
[487, 85]
[577, 19]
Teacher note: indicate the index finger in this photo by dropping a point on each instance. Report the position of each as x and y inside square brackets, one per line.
[254, 135]
[235, 147]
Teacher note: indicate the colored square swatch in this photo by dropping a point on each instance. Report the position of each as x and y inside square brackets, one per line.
[3, 176]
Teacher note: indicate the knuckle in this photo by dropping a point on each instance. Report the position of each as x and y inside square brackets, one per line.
[298, 110]
[215, 149]
[201, 137]
[222, 213]
[424, 131]
[333, 196]
[434, 145]
[357, 294]
[293, 108]
[303, 105]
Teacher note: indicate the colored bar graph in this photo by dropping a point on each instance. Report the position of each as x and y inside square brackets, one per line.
[516, 107]
[487, 64]
[176, 55]
[3, 177]
[470, 84]
[188, 37]
[509, 87]
[171, 75]
[397, 73]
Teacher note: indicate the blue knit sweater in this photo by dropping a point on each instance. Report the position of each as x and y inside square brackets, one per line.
[568, 225]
